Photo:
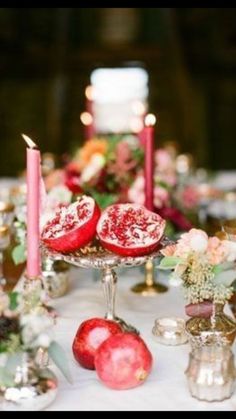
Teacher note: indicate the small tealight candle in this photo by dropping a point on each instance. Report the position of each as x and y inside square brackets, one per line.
[170, 331]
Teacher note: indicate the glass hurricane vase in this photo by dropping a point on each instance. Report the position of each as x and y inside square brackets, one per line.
[33, 387]
[219, 329]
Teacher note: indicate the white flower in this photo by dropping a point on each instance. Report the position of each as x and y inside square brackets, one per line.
[198, 243]
[230, 247]
[43, 340]
[58, 195]
[32, 326]
[96, 163]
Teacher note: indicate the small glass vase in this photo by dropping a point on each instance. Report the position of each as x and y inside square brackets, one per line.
[34, 388]
[219, 329]
[211, 373]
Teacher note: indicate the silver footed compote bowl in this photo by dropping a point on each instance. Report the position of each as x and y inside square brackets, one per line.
[98, 258]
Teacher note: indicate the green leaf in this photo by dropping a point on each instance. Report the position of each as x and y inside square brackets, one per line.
[19, 254]
[222, 267]
[217, 269]
[169, 262]
[13, 300]
[225, 277]
[6, 378]
[57, 354]
[13, 361]
[8, 370]
[169, 230]
[104, 199]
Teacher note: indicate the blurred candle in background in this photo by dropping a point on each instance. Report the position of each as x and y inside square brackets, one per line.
[148, 142]
[33, 208]
[87, 117]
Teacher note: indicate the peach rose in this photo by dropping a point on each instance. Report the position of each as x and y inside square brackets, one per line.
[216, 251]
[169, 250]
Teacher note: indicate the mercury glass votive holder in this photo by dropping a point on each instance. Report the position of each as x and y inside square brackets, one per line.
[211, 373]
[170, 331]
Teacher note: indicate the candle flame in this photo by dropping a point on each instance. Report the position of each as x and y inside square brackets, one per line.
[28, 141]
[150, 120]
[86, 118]
[89, 92]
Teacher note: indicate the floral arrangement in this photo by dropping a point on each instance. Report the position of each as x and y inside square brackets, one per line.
[103, 168]
[203, 265]
[25, 327]
[165, 186]
[111, 170]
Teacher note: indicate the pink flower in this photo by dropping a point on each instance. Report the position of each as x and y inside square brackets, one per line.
[216, 251]
[190, 197]
[136, 193]
[124, 160]
[169, 250]
[161, 197]
[163, 160]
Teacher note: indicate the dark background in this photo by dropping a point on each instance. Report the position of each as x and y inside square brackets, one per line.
[47, 55]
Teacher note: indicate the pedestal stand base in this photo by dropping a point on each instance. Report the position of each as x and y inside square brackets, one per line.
[149, 290]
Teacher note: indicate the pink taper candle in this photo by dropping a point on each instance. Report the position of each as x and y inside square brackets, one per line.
[33, 204]
[148, 140]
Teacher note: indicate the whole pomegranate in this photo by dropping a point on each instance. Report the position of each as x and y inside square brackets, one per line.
[130, 229]
[90, 335]
[123, 361]
[73, 226]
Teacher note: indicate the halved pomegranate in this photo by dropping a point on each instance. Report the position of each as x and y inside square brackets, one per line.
[73, 226]
[130, 229]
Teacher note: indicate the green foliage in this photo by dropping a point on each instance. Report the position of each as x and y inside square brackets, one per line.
[57, 354]
[13, 300]
[104, 199]
[169, 262]
[10, 345]
[170, 230]
[19, 254]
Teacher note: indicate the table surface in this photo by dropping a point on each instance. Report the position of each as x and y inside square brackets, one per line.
[166, 387]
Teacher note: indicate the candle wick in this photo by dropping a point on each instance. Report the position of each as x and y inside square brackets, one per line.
[28, 141]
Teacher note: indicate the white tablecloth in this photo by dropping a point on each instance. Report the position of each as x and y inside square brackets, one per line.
[166, 387]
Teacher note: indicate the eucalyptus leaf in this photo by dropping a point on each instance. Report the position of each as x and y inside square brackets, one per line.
[19, 254]
[225, 277]
[57, 354]
[223, 267]
[169, 262]
[13, 361]
[6, 378]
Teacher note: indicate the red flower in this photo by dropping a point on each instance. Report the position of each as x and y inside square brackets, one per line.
[72, 179]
